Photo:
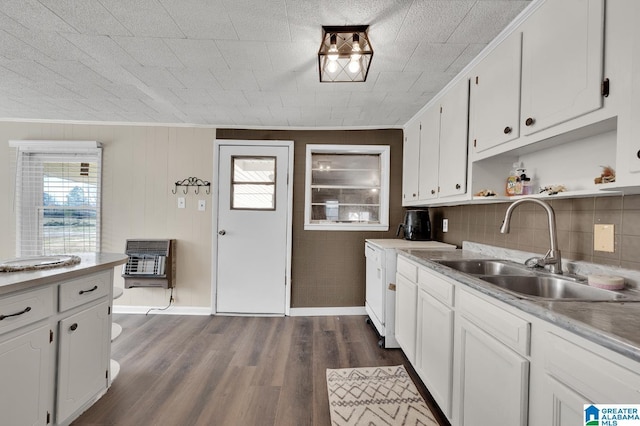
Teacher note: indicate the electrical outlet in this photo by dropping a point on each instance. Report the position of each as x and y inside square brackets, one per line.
[445, 225]
[603, 238]
[202, 205]
[181, 203]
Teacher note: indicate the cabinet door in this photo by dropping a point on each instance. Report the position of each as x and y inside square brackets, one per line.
[24, 374]
[495, 96]
[429, 153]
[434, 349]
[406, 293]
[411, 162]
[492, 380]
[375, 286]
[83, 360]
[454, 122]
[562, 62]
[564, 406]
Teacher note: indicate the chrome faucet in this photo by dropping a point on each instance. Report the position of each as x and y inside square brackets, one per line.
[552, 258]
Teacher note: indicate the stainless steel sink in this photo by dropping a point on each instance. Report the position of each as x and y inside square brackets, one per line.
[546, 287]
[485, 267]
[531, 284]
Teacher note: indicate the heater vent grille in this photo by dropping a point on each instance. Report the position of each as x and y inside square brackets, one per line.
[151, 263]
[149, 247]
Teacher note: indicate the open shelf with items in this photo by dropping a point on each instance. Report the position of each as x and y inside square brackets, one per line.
[571, 163]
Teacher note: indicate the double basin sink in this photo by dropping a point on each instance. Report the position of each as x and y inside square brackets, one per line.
[530, 284]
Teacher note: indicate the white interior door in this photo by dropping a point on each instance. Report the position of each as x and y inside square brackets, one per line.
[253, 229]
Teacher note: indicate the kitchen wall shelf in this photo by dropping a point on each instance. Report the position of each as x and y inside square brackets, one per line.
[606, 190]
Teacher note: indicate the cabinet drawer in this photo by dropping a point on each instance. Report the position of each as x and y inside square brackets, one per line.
[509, 329]
[595, 377]
[82, 290]
[407, 269]
[436, 286]
[25, 308]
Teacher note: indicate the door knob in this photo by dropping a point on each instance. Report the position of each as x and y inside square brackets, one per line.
[222, 232]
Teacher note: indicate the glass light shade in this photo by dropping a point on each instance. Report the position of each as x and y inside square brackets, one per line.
[354, 65]
[333, 53]
[345, 54]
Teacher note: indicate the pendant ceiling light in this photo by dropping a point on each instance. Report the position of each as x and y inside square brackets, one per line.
[345, 54]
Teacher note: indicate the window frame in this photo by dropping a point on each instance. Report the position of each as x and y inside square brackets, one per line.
[29, 236]
[384, 152]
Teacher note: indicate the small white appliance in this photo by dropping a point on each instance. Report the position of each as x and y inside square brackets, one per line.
[380, 299]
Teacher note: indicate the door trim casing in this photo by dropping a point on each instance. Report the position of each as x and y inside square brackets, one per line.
[214, 212]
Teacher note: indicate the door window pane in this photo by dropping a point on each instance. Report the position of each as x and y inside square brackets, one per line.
[253, 183]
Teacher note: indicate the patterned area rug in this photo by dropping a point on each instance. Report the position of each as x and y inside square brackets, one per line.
[375, 396]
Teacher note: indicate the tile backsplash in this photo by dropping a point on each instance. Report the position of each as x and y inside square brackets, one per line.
[575, 219]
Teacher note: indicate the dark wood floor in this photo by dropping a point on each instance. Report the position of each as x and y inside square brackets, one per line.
[217, 370]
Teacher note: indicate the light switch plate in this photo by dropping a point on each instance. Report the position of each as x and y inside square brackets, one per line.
[603, 238]
[445, 225]
[202, 205]
[181, 203]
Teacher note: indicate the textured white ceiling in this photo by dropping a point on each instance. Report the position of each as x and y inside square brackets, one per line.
[239, 63]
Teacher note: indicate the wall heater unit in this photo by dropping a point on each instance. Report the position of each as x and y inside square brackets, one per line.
[151, 263]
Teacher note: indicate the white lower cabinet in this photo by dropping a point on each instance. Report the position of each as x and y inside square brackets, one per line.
[434, 349]
[54, 350]
[571, 371]
[486, 362]
[564, 406]
[83, 358]
[491, 380]
[24, 375]
[406, 292]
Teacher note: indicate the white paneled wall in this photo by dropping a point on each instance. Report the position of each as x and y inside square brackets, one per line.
[140, 165]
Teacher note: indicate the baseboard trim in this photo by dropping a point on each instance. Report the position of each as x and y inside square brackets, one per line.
[195, 310]
[173, 310]
[320, 312]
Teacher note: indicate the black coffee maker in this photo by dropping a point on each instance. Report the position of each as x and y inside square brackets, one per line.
[416, 226]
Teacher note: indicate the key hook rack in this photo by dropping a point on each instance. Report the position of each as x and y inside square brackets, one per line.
[192, 181]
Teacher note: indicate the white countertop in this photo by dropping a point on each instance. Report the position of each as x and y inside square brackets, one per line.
[89, 263]
[399, 243]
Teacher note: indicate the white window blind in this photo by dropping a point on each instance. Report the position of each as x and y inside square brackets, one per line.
[58, 188]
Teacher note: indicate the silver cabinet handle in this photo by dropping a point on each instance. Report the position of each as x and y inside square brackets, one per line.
[222, 232]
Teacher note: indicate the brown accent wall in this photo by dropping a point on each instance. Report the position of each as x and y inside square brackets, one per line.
[529, 230]
[328, 267]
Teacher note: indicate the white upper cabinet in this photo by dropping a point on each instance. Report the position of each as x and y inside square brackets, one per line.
[443, 129]
[495, 96]
[454, 121]
[410, 163]
[429, 153]
[562, 63]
